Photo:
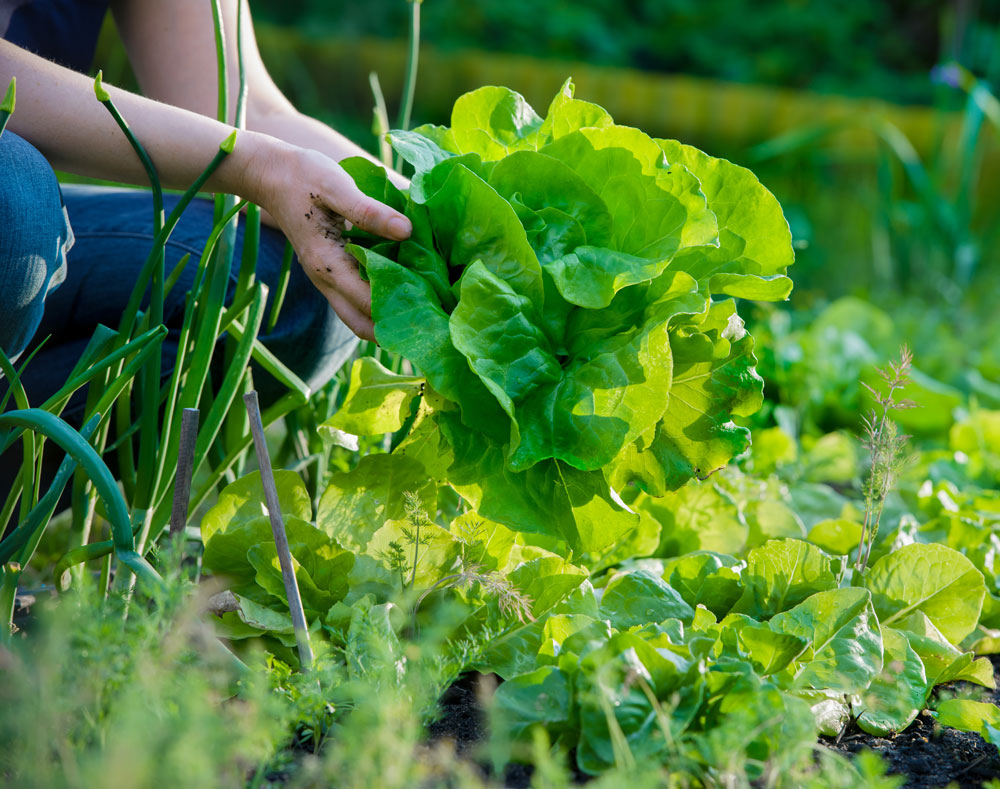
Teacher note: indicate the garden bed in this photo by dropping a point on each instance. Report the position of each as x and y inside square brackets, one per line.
[925, 754]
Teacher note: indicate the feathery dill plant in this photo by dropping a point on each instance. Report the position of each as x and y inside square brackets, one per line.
[886, 447]
[417, 517]
[513, 603]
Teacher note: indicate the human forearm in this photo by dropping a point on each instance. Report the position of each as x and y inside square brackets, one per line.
[286, 123]
[306, 192]
[58, 113]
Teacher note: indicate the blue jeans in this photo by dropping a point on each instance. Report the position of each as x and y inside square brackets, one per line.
[69, 258]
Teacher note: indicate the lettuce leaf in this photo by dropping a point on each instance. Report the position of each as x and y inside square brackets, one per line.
[559, 296]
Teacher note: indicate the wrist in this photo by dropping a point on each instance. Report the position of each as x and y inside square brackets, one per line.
[254, 168]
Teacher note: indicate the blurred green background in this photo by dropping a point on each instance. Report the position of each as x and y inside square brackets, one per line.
[886, 169]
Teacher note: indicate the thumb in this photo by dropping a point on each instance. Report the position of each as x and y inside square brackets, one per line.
[371, 215]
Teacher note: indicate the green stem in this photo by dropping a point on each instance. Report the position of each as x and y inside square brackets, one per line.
[412, 60]
[116, 509]
[410, 78]
[7, 105]
[8, 591]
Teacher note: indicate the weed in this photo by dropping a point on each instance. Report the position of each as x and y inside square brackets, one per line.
[886, 447]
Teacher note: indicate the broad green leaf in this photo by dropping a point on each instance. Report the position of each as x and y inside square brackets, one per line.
[540, 182]
[264, 559]
[671, 298]
[836, 535]
[263, 618]
[359, 502]
[695, 518]
[935, 580]
[409, 321]
[549, 498]
[587, 639]
[845, 644]
[541, 697]
[643, 541]
[600, 404]
[967, 715]
[771, 520]
[373, 180]
[441, 136]
[552, 234]
[472, 222]
[968, 668]
[656, 210]
[898, 693]
[243, 501]
[546, 581]
[420, 255]
[830, 710]
[714, 379]
[377, 401]
[567, 114]
[770, 651]
[748, 286]
[557, 629]
[511, 654]
[497, 330]
[943, 662]
[372, 650]
[321, 566]
[639, 598]
[755, 238]
[418, 148]
[226, 552]
[705, 578]
[493, 122]
[781, 574]
[590, 276]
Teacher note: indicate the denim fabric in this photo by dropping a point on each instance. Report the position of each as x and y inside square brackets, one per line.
[35, 235]
[113, 231]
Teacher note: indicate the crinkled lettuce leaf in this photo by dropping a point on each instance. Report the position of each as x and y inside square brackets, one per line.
[562, 294]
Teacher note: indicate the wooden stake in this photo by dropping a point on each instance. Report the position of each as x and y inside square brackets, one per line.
[278, 529]
[185, 462]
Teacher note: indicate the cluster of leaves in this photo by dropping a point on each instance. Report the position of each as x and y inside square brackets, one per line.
[818, 366]
[561, 297]
[369, 564]
[700, 660]
[671, 654]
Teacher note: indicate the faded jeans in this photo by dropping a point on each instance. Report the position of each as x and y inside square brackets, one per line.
[69, 258]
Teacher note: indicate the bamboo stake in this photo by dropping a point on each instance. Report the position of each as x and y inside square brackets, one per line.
[278, 529]
[185, 462]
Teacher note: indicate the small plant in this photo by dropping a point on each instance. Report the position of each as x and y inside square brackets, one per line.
[886, 446]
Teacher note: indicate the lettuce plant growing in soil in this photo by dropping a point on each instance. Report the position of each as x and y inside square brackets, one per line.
[567, 304]
[564, 296]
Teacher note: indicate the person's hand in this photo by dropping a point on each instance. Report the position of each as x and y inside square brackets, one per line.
[310, 196]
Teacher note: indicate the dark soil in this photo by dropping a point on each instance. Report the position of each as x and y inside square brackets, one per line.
[463, 721]
[929, 755]
[926, 754]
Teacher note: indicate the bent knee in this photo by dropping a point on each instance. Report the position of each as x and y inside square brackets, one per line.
[36, 235]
